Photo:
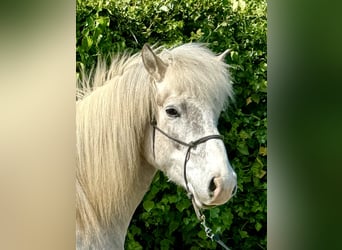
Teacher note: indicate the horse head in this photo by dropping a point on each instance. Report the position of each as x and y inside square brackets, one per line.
[191, 88]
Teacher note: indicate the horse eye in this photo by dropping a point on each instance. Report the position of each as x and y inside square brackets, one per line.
[172, 112]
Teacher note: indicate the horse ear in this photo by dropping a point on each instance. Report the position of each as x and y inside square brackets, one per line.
[153, 64]
[222, 56]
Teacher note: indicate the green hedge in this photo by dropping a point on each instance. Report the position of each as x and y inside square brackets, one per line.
[165, 219]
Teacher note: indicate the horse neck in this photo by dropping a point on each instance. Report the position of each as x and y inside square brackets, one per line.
[113, 236]
[141, 185]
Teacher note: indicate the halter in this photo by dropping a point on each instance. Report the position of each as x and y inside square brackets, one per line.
[190, 145]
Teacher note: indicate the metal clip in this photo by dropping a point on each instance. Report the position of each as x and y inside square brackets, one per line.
[209, 232]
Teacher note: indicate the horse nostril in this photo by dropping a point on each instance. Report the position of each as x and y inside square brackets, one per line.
[212, 185]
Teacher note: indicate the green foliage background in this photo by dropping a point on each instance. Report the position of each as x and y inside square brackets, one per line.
[165, 219]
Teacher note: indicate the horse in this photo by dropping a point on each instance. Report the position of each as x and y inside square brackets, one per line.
[156, 110]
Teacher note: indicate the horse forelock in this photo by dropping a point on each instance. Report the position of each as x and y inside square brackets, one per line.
[195, 71]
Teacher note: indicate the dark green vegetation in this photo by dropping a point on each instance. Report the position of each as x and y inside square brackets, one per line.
[165, 219]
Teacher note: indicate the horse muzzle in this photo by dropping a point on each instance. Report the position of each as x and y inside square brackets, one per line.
[221, 190]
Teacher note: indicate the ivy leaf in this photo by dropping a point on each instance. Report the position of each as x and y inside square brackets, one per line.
[182, 204]
[243, 234]
[164, 8]
[263, 151]
[243, 148]
[148, 205]
[258, 226]
[173, 225]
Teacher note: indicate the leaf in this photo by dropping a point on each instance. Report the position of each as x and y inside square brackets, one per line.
[243, 234]
[173, 225]
[214, 213]
[202, 234]
[243, 134]
[235, 5]
[164, 8]
[165, 244]
[89, 42]
[257, 169]
[248, 100]
[148, 205]
[261, 174]
[258, 226]
[255, 98]
[182, 204]
[242, 4]
[263, 151]
[243, 148]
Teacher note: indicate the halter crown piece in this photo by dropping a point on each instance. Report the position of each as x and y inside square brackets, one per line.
[190, 145]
